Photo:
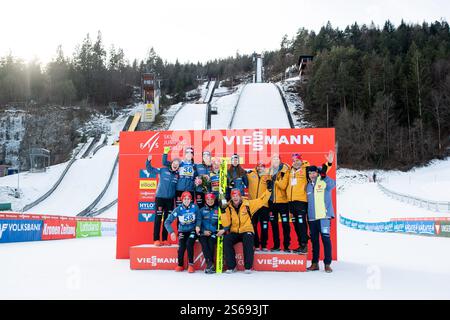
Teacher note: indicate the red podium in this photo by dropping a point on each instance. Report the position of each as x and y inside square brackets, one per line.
[150, 257]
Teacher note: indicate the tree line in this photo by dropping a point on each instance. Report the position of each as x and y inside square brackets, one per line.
[94, 76]
[386, 90]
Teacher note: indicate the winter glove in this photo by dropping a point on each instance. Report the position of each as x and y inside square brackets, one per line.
[323, 171]
[222, 202]
[166, 150]
[269, 185]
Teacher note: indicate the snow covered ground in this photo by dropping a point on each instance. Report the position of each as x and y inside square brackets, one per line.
[371, 266]
[31, 185]
[260, 106]
[431, 182]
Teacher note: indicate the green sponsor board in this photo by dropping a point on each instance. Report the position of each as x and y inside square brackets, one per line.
[89, 229]
[442, 229]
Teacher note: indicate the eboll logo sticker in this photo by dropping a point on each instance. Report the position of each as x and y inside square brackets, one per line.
[147, 184]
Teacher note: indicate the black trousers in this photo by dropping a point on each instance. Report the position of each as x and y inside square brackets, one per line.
[163, 208]
[320, 227]
[282, 209]
[200, 199]
[230, 255]
[186, 240]
[178, 199]
[208, 244]
[262, 216]
[299, 210]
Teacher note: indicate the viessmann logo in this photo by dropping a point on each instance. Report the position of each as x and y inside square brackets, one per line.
[258, 140]
[275, 262]
[154, 260]
[151, 143]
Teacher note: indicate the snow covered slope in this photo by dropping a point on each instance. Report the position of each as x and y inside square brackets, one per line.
[431, 182]
[192, 116]
[260, 106]
[82, 184]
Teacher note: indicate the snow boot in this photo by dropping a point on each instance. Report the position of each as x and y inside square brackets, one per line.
[191, 268]
[229, 271]
[179, 268]
[328, 268]
[313, 267]
[157, 243]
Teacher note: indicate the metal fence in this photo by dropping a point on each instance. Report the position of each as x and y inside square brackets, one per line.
[440, 206]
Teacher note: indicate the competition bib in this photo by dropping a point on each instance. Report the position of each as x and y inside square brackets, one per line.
[187, 171]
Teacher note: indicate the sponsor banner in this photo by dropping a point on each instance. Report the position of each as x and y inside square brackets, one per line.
[252, 145]
[144, 174]
[422, 219]
[146, 217]
[442, 229]
[149, 257]
[55, 229]
[165, 258]
[420, 227]
[428, 227]
[88, 229]
[147, 184]
[147, 206]
[108, 229]
[145, 195]
[20, 230]
[280, 262]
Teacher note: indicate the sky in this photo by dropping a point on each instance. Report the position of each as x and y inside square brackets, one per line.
[197, 30]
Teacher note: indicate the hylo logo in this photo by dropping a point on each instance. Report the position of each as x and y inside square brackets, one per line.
[147, 206]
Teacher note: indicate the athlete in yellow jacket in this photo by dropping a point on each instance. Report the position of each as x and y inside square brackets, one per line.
[257, 186]
[278, 203]
[237, 219]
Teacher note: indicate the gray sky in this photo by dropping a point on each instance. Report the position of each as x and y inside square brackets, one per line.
[196, 30]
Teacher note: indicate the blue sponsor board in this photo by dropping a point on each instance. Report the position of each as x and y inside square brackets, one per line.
[144, 174]
[146, 217]
[145, 206]
[389, 227]
[420, 227]
[399, 226]
[407, 226]
[20, 230]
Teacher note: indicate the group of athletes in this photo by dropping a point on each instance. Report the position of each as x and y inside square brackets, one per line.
[190, 192]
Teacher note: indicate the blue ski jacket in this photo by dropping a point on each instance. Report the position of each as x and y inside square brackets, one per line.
[208, 218]
[168, 180]
[187, 174]
[187, 217]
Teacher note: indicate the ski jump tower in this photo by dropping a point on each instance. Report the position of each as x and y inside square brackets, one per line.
[258, 74]
[151, 93]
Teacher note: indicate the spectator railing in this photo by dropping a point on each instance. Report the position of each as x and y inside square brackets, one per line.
[440, 206]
